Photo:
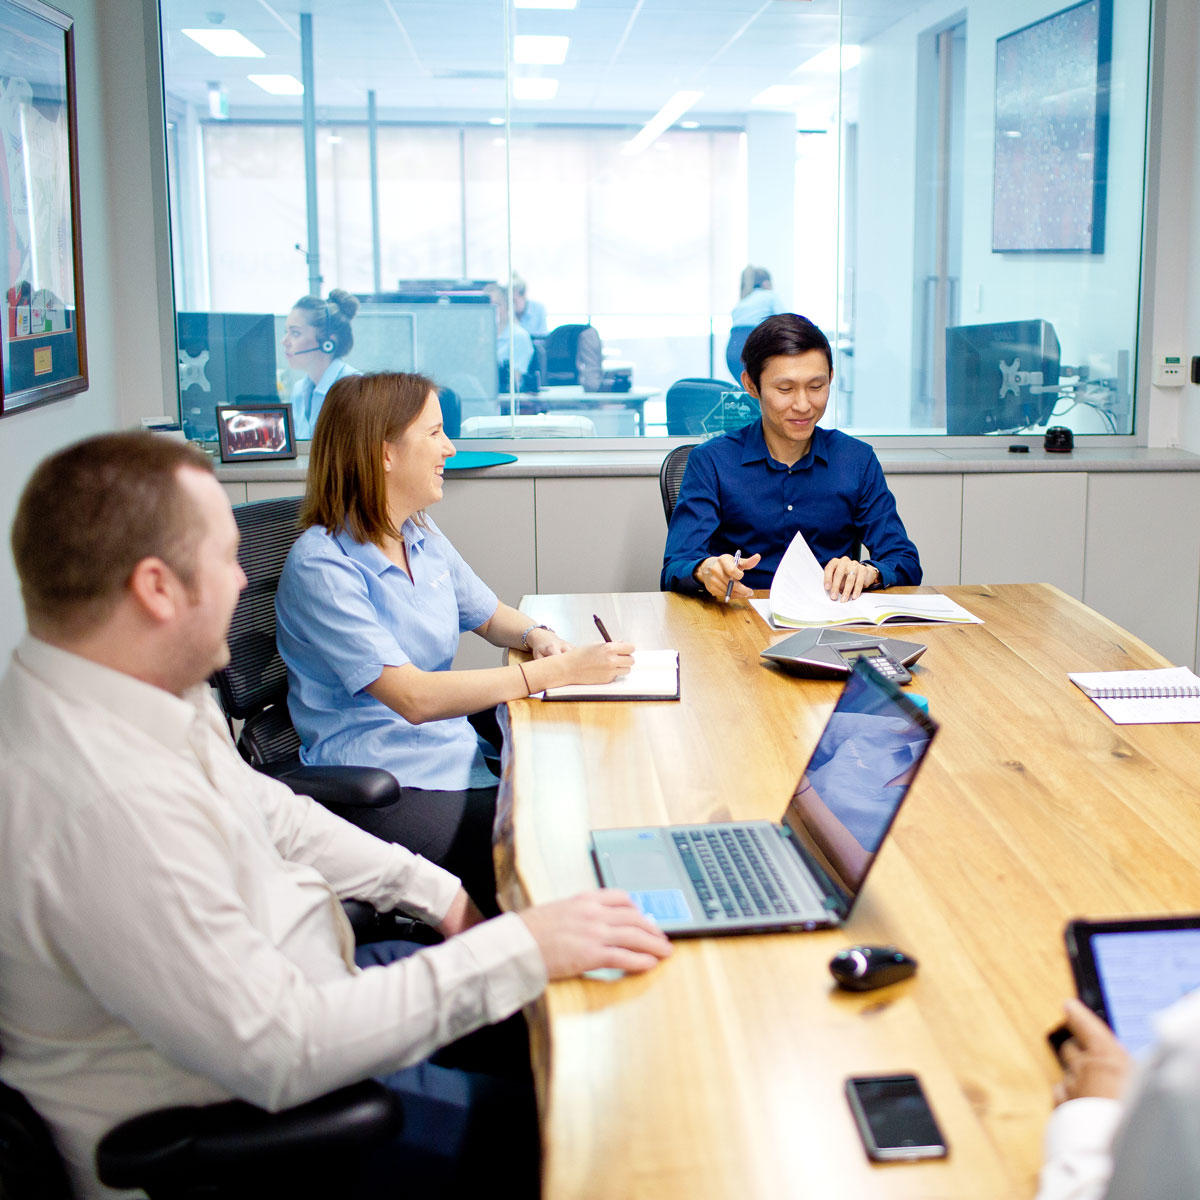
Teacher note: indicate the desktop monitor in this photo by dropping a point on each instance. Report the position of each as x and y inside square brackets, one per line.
[224, 358]
[1000, 378]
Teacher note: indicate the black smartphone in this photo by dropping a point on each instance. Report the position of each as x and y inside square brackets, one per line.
[894, 1119]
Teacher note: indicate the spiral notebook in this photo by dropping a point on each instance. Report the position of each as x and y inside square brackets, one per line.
[1163, 697]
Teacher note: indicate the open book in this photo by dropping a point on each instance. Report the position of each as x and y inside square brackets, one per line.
[655, 676]
[1161, 697]
[799, 599]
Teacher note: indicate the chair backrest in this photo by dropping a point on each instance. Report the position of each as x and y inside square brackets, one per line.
[704, 407]
[253, 687]
[574, 356]
[30, 1165]
[670, 476]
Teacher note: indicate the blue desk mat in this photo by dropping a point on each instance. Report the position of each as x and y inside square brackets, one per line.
[465, 460]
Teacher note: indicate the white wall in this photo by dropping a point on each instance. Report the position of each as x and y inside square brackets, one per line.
[125, 265]
[1091, 299]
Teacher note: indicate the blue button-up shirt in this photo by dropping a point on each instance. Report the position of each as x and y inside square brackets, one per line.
[735, 496]
[307, 396]
[345, 611]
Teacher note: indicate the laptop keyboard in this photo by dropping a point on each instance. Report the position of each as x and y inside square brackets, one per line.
[732, 872]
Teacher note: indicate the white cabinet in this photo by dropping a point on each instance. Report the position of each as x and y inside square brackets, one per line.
[931, 508]
[1142, 565]
[1025, 528]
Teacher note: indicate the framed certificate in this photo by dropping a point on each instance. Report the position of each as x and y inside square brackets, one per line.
[41, 264]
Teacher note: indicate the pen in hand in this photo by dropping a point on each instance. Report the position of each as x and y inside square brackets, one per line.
[737, 558]
[600, 626]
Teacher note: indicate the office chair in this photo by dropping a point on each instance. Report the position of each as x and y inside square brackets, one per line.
[451, 412]
[670, 476]
[574, 356]
[253, 686]
[733, 351]
[225, 1151]
[703, 407]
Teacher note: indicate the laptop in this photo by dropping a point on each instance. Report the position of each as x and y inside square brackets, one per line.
[807, 871]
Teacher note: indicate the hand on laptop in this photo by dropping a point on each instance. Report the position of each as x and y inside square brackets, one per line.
[1094, 1062]
[595, 929]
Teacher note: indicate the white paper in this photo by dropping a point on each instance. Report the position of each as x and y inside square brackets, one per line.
[1166, 710]
[654, 673]
[799, 599]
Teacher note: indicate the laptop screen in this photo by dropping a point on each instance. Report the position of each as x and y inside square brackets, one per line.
[852, 788]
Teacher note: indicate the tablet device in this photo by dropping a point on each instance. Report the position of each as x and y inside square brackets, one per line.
[1128, 970]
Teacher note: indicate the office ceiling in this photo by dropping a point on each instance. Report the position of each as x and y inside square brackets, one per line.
[625, 59]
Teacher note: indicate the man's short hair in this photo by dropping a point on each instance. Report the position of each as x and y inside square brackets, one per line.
[90, 513]
[784, 333]
[347, 487]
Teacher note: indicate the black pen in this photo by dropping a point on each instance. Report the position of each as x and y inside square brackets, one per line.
[737, 559]
[600, 626]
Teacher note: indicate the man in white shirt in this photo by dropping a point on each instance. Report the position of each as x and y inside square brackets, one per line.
[1126, 1131]
[170, 931]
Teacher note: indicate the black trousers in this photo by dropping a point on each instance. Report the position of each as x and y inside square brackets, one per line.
[452, 829]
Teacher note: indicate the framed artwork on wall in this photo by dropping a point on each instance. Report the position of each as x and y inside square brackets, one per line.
[1051, 154]
[41, 263]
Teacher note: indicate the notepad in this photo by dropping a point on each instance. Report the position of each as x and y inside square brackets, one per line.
[1166, 696]
[655, 676]
[799, 599]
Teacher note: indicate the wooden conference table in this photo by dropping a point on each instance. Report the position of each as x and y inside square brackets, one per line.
[720, 1074]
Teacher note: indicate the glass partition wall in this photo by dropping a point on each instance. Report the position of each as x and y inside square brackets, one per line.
[559, 208]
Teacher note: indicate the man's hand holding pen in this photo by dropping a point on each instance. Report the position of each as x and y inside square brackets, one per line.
[720, 575]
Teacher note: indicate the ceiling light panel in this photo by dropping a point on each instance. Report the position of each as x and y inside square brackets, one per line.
[224, 43]
[539, 49]
[278, 85]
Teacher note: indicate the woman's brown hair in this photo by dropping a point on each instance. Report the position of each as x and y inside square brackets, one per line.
[346, 486]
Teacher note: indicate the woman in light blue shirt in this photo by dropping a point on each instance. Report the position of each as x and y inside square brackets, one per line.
[370, 607]
[316, 340]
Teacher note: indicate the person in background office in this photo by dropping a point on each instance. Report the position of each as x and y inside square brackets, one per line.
[169, 931]
[754, 488]
[371, 603]
[757, 301]
[521, 344]
[531, 315]
[316, 341]
[1126, 1131]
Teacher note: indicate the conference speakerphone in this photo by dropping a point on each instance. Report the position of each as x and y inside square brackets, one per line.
[831, 653]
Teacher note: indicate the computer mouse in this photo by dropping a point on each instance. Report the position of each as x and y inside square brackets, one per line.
[861, 968]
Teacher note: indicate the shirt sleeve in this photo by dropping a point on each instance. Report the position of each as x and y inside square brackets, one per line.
[883, 533]
[1078, 1150]
[324, 603]
[694, 521]
[196, 976]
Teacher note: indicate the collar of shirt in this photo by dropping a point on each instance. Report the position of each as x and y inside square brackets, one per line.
[368, 555]
[754, 449]
[332, 374]
[167, 718]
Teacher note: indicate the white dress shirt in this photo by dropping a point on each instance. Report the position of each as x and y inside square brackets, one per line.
[170, 931]
[1145, 1146]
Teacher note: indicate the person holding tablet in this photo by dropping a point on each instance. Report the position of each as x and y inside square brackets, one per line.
[370, 606]
[1124, 1130]
[316, 340]
[752, 489]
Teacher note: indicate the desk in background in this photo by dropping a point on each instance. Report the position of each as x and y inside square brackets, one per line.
[720, 1074]
[604, 408]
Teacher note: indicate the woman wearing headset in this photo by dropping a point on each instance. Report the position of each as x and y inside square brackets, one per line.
[316, 341]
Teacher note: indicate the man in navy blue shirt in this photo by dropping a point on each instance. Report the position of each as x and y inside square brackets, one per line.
[753, 489]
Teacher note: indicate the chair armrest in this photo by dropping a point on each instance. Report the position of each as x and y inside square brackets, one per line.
[341, 787]
[232, 1140]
